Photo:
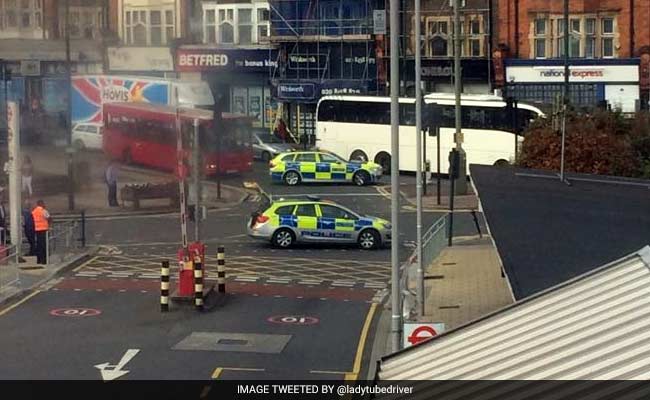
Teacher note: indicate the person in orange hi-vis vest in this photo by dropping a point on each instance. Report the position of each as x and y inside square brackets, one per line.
[42, 222]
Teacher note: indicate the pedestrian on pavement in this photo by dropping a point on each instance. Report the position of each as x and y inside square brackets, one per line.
[110, 176]
[42, 222]
[27, 171]
[29, 228]
[3, 219]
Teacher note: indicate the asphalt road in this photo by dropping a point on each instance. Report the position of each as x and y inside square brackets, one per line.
[336, 289]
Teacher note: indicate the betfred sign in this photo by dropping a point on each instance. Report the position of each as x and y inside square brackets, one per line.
[418, 332]
[577, 74]
[202, 60]
[205, 59]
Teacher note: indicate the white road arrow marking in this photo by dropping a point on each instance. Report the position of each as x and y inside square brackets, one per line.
[111, 372]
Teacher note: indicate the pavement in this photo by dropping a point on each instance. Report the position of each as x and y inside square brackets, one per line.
[19, 280]
[430, 201]
[50, 163]
[464, 283]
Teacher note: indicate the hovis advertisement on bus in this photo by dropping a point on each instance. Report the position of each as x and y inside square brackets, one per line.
[89, 93]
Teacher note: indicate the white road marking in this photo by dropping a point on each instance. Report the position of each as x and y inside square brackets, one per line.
[109, 374]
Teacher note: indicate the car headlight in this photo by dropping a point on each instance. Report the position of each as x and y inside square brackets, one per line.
[386, 225]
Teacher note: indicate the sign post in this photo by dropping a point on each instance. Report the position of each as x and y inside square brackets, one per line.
[417, 332]
[13, 139]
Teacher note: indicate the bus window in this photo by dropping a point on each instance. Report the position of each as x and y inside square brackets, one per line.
[327, 111]
[407, 114]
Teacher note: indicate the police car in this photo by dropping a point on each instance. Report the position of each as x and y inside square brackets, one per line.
[286, 222]
[321, 166]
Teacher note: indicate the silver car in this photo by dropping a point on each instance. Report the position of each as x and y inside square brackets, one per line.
[266, 146]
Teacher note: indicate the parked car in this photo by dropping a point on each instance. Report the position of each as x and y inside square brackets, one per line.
[87, 136]
[266, 146]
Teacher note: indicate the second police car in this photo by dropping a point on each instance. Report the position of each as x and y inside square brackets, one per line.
[286, 222]
[321, 166]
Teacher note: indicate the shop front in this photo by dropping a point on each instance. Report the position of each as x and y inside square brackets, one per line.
[614, 82]
[300, 98]
[438, 75]
[39, 83]
[239, 76]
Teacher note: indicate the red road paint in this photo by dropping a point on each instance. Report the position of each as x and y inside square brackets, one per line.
[293, 291]
[75, 312]
[293, 320]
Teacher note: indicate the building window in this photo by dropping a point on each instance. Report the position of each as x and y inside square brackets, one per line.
[84, 22]
[589, 37]
[590, 40]
[475, 40]
[540, 38]
[210, 27]
[149, 27]
[438, 37]
[21, 15]
[236, 23]
[608, 37]
[226, 29]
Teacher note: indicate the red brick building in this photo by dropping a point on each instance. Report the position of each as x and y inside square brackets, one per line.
[609, 49]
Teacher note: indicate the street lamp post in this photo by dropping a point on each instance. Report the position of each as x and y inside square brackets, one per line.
[418, 157]
[396, 318]
[68, 134]
[461, 181]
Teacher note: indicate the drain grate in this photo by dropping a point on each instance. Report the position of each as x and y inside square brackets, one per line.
[244, 342]
[449, 307]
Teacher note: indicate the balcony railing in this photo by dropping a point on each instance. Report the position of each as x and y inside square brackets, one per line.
[321, 27]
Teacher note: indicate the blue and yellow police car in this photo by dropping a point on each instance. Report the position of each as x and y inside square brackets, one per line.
[321, 166]
[311, 220]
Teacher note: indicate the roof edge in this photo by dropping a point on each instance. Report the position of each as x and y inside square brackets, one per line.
[643, 253]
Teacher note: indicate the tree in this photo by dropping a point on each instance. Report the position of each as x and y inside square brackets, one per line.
[596, 143]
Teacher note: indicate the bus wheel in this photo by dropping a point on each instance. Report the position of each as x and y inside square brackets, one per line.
[361, 178]
[501, 163]
[292, 178]
[266, 156]
[126, 157]
[358, 155]
[383, 159]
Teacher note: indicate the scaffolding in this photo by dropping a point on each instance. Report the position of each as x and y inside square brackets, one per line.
[321, 42]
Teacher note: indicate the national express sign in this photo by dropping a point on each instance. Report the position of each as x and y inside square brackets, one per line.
[577, 74]
[197, 60]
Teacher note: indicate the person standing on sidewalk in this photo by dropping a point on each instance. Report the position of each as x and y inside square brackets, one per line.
[28, 228]
[27, 171]
[110, 176]
[42, 222]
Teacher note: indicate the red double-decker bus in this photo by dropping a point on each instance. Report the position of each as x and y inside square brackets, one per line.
[145, 134]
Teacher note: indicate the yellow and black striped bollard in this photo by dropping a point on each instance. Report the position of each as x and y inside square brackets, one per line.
[164, 286]
[221, 269]
[198, 283]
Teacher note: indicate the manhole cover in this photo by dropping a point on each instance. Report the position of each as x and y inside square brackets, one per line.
[243, 342]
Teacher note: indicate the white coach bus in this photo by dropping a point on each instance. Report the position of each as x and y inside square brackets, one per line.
[358, 127]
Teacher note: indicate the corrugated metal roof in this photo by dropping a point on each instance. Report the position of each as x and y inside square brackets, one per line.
[594, 327]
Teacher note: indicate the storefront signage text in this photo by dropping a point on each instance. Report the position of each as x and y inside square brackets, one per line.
[203, 60]
[582, 73]
[194, 60]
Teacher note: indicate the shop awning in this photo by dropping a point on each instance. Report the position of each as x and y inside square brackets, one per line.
[49, 50]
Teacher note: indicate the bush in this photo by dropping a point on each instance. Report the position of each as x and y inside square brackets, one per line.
[600, 143]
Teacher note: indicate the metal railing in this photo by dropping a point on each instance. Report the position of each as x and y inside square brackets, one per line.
[8, 267]
[434, 240]
[65, 239]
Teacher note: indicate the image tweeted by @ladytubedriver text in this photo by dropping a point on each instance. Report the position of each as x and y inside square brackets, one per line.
[323, 390]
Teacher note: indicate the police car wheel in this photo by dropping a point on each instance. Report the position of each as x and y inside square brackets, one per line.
[292, 178]
[283, 238]
[368, 239]
[361, 178]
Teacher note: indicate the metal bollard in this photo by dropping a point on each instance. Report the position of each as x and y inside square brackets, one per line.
[164, 286]
[221, 269]
[198, 283]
